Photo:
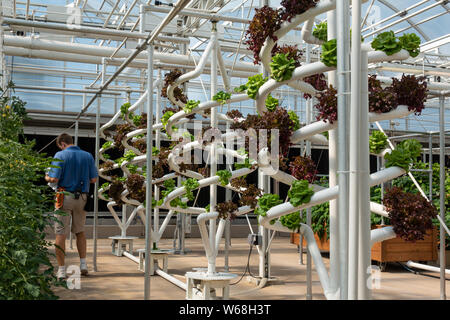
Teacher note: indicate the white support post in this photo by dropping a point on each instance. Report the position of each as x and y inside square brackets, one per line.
[355, 118]
[148, 192]
[213, 156]
[343, 65]
[364, 189]
[333, 165]
[442, 194]
[308, 115]
[158, 146]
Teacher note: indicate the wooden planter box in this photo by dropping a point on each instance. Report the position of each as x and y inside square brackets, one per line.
[393, 250]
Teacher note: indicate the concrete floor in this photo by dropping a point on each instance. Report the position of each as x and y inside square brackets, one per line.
[118, 278]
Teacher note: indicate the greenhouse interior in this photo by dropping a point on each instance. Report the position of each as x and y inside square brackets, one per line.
[339, 107]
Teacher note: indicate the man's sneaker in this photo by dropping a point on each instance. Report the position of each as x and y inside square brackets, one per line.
[61, 274]
[84, 269]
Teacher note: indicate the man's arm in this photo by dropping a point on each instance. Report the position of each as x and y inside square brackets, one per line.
[50, 179]
[93, 174]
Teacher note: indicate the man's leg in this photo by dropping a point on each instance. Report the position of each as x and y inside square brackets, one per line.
[81, 244]
[60, 249]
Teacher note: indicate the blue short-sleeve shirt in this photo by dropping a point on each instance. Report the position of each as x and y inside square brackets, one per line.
[75, 170]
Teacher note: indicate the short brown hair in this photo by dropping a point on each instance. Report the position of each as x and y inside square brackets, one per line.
[64, 137]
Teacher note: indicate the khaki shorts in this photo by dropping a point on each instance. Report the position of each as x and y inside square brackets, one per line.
[75, 209]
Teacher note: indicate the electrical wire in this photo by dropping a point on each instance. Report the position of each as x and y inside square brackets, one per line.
[247, 268]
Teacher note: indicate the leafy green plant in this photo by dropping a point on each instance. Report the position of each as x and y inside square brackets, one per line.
[329, 53]
[224, 176]
[245, 164]
[291, 221]
[387, 42]
[253, 84]
[12, 115]
[124, 109]
[271, 103]
[106, 145]
[411, 43]
[222, 97]
[300, 193]
[404, 155]
[321, 31]
[155, 151]
[294, 117]
[129, 155]
[377, 142]
[190, 105]
[26, 210]
[190, 184]
[165, 117]
[266, 202]
[281, 67]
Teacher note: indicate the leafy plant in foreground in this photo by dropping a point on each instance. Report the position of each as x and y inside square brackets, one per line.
[190, 105]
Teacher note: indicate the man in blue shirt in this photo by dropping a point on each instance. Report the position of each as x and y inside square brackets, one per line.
[75, 172]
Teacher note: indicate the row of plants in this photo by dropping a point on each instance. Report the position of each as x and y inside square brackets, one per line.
[26, 210]
[410, 91]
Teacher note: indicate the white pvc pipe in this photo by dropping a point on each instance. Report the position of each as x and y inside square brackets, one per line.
[381, 234]
[364, 189]
[412, 264]
[354, 155]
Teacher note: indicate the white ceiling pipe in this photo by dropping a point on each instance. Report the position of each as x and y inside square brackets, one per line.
[94, 31]
[101, 51]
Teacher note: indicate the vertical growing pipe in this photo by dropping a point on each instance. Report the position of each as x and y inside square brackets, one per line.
[354, 154]
[343, 46]
[442, 192]
[332, 155]
[364, 190]
[308, 112]
[158, 146]
[213, 187]
[148, 189]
